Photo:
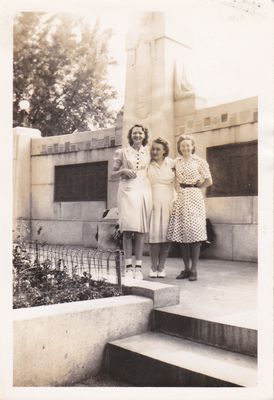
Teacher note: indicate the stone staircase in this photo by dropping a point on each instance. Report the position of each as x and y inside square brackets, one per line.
[185, 351]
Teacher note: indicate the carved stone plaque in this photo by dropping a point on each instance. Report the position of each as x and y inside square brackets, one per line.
[81, 182]
[234, 169]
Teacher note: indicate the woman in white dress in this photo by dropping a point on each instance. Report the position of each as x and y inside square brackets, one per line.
[161, 175]
[188, 219]
[134, 196]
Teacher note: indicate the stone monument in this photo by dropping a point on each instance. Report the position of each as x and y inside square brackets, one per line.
[155, 79]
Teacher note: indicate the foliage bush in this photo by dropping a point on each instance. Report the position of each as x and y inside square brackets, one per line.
[61, 65]
[37, 284]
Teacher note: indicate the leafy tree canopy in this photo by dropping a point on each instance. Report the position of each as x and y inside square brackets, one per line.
[60, 67]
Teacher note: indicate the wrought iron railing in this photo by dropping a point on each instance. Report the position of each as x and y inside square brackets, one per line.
[92, 263]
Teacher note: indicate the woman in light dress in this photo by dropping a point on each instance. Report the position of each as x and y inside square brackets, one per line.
[161, 175]
[188, 219]
[134, 196]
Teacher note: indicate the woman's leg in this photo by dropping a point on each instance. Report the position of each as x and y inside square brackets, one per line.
[164, 248]
[127, 244]
[139, 245]
[195, 254]
[154, 255]
[185, 248]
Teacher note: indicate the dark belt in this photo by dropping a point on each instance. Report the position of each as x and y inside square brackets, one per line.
[187, 185]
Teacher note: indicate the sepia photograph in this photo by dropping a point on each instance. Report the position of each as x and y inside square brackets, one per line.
[139, 228]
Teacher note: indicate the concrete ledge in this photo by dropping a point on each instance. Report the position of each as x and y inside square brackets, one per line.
[225, 336]
[62, 344]
[163, 295]
[154, 359]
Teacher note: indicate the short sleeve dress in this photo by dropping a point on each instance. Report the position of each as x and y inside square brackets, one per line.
[134, 195]
[188, 218]
[163, 195]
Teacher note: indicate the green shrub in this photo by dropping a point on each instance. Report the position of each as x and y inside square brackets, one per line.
[37, 284]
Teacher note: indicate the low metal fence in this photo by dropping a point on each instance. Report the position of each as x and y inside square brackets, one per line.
[74, 261]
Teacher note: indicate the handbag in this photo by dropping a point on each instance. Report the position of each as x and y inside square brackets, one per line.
[210, 235]
[117, 235]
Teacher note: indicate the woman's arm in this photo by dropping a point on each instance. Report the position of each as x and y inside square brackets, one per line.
[205, 175]
[207, 182]
[117, 170]
[123, 172]
[116, 173]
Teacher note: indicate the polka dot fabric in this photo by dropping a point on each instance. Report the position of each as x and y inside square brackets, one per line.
[188, 218]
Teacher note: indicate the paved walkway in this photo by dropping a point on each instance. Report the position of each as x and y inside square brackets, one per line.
[226, 291]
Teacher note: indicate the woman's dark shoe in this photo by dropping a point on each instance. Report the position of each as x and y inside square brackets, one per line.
[183, 274]
[193, 276]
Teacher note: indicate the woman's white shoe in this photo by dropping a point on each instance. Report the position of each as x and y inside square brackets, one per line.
[138, 274]
[152, 274]
[129, 273]
[161, 274]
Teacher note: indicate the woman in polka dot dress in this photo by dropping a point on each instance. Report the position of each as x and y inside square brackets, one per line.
[188, 218]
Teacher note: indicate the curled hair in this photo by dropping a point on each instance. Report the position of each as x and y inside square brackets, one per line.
[185, 137]
[145, 130]
[164, 143]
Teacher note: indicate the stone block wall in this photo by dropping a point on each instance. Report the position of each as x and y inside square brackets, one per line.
[35, 158]
[75, 222]
[234, 218]
[22, 138]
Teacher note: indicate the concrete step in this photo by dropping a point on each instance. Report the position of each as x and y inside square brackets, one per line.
[159, 360]
[172, 321]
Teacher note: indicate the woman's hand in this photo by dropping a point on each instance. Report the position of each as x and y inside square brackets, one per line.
[128, 173]
[199, 184]
[207, 182]
[123, 173]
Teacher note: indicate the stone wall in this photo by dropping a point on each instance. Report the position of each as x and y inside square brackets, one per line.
[22, 138]
[75, 223]
[67, 222]
[234, 218]
[63, 344]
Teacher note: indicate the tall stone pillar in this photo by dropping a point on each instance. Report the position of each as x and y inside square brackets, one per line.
[22, 175]
[151, 60]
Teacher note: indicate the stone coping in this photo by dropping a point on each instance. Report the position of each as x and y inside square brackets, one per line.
[163, 295]
[73, 307]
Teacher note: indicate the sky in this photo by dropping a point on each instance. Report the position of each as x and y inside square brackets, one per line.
[230, 41]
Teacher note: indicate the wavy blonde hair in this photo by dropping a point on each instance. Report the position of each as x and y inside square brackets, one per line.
[186, 137]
